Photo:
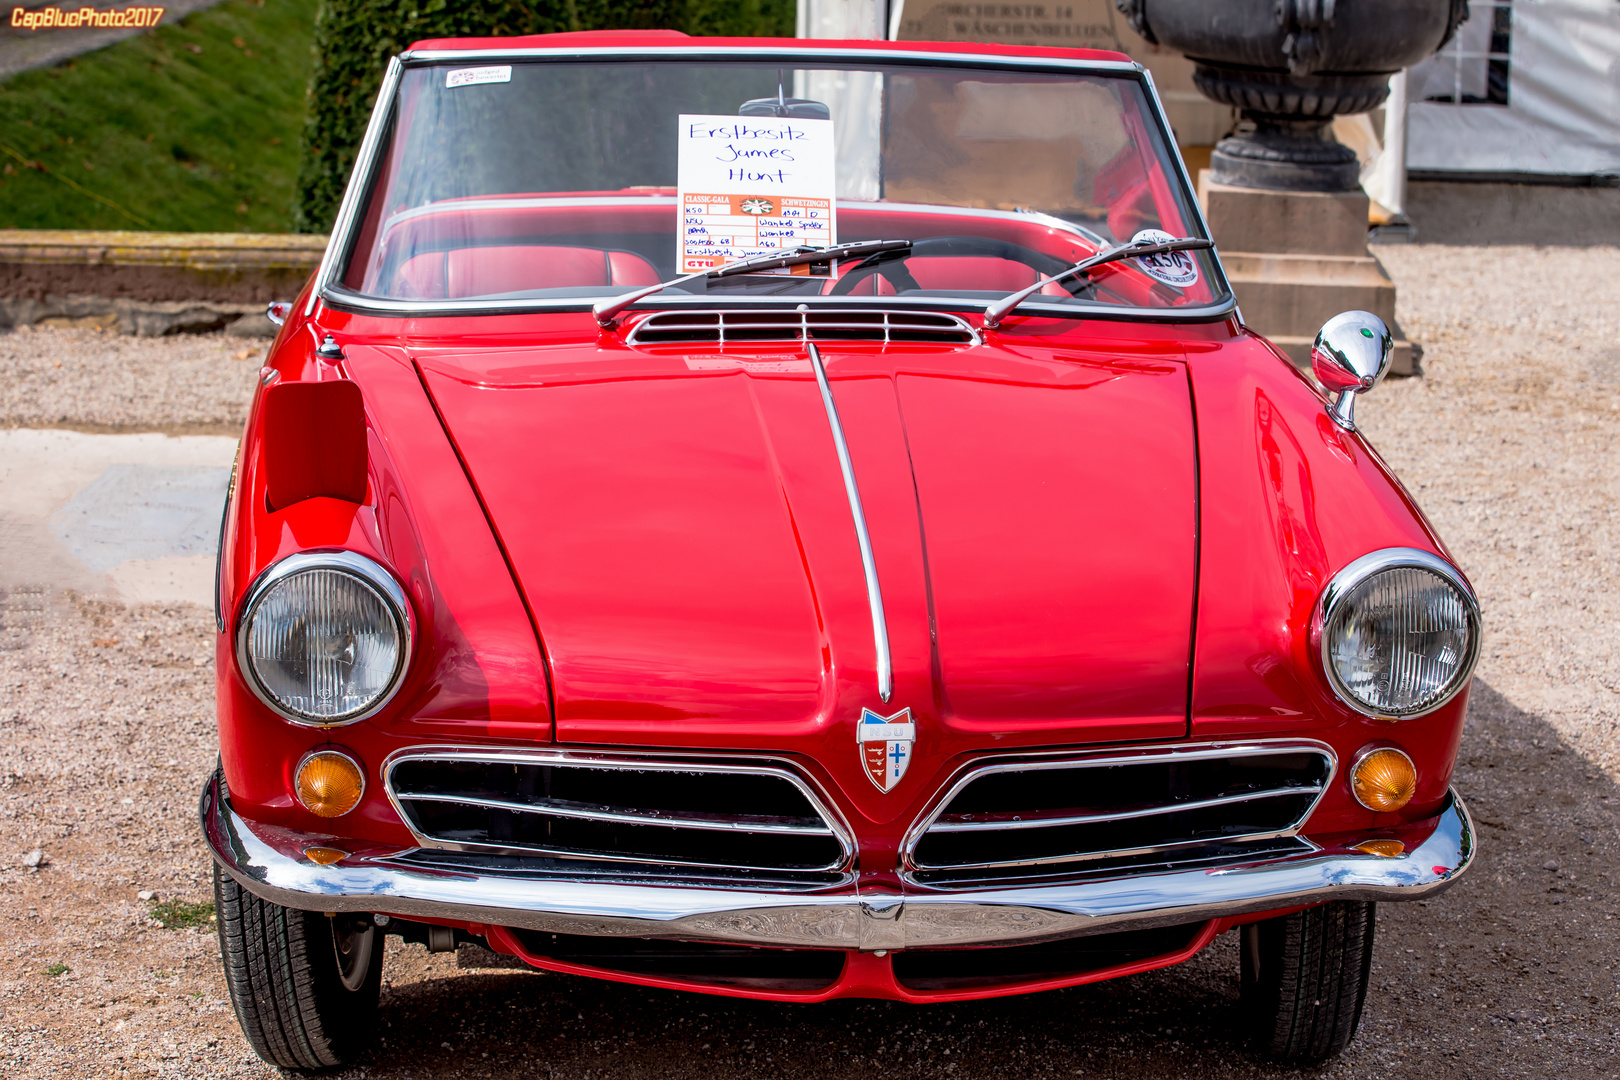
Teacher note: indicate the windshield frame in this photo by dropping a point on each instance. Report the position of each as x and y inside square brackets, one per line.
[329, 289]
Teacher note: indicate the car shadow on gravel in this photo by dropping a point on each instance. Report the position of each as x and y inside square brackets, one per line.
[1511, 973]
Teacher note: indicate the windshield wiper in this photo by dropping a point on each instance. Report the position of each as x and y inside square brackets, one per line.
[1003, 307]
[608, 310]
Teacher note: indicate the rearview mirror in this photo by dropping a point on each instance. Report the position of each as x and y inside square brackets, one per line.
[1350, 357]
[797, 108]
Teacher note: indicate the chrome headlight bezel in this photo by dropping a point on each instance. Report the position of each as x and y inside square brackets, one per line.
[370, 574]
[1330, 605]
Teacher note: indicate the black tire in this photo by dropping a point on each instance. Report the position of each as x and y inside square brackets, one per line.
[1305, 979]
[304, 985]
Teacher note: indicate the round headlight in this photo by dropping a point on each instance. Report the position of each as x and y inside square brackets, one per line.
[1399, 633]
[324, 638]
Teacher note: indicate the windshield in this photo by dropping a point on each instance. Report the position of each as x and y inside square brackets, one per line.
[565, 181]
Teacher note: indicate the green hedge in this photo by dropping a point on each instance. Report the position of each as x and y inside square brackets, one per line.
[355, 38]
[189, 127]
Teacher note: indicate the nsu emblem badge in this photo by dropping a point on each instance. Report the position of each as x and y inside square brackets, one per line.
[885, 743]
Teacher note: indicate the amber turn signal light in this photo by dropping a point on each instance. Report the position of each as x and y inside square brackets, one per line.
[1384, 780]
[326, 856]
[1389, 849]
[329, 783]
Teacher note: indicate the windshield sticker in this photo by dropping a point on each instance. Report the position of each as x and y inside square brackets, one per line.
[751, 185]
[478, 76]
[1171, 267]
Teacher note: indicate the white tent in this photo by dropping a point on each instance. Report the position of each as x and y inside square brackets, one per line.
[1527, 87]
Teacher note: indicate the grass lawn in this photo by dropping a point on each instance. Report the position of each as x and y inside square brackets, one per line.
[189, 127]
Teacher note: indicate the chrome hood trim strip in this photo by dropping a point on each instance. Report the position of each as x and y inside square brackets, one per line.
[844, 920]
[874, 592]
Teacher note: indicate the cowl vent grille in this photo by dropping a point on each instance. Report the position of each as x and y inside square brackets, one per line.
[721, 327]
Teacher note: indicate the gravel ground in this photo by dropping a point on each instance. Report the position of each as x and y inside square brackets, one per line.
[1507, 443]
[88, 381]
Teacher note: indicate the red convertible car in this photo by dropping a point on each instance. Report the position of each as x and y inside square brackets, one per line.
[801, 520]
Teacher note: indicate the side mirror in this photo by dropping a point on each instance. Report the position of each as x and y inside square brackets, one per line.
[1350, 357]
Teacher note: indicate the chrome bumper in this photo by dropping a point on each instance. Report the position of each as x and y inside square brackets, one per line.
[851, 920]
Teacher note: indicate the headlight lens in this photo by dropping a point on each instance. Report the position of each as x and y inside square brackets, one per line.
[324, 637]
[1399, 633]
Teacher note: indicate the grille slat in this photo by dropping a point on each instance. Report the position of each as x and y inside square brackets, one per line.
[1020, 820]
[1118, 864]
[533, 866]
[555, 808]
[721, 327]
[972, 823]
[715, 819]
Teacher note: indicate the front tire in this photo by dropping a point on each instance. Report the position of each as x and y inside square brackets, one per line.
[304, 985]
[1305, 979]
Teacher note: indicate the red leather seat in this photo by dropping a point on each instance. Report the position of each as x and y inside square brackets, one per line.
[872, 285]
[485, 271]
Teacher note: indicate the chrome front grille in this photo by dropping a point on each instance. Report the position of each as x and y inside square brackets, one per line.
[600, 815]
[720, 327]
[1118, 813]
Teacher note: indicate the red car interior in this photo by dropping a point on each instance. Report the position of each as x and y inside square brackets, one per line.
[457, 260]
[487, 271]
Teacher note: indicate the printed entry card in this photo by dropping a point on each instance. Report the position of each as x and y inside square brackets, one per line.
[750, 185]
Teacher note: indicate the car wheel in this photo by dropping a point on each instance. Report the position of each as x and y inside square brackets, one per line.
[304, 984]
[1305, 978]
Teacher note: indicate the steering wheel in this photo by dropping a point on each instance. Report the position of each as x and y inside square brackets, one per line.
[891, 265]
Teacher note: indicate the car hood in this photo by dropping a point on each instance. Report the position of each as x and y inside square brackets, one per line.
[679, 524]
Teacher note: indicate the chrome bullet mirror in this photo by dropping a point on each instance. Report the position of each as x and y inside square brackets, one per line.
[1350, 356]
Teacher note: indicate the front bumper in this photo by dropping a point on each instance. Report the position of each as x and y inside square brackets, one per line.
[257, 857]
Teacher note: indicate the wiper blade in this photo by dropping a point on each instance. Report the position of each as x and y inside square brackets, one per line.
[800, 256]
[608, 310]
[1003, 307]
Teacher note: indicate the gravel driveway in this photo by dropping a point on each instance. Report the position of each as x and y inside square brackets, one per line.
[104, 382]
[1509, 442]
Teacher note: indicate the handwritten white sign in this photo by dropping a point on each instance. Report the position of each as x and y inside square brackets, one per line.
[749, 185]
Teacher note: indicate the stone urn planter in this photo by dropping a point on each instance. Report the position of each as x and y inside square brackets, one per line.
[1290, 66]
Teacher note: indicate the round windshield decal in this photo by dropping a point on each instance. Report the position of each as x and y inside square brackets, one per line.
[1172, 267]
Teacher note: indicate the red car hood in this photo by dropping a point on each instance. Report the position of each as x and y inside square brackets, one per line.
[679, 525]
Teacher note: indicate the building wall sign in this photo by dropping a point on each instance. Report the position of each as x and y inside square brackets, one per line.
[1086, 24]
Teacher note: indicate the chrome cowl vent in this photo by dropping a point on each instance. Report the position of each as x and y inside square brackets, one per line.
[1399, 633]
[323, 638]
[823, 325]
